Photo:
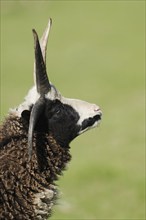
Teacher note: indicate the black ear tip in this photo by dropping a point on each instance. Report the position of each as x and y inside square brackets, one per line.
[25, 115]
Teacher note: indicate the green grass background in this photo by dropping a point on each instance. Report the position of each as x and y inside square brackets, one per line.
[95, 53]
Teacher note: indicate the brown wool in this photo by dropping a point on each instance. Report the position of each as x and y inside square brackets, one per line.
[27, 189]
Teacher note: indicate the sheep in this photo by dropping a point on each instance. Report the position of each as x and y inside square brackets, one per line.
[34, 143]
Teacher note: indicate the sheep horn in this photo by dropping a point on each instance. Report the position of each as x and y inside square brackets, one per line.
[35, 113]
[42, 82]
[44, 39]
[43, 44]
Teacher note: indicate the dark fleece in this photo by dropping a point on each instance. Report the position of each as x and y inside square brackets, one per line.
[21, 180]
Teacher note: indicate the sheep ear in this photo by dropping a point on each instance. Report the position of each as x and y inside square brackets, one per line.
[26, 115]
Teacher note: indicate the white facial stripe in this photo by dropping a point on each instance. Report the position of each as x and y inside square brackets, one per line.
[84, 109]
[93, 126]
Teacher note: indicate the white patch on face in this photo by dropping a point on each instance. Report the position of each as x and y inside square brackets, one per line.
[84, 109]
[90, 127]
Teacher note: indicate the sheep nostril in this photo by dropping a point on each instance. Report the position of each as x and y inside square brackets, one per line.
[98, 111]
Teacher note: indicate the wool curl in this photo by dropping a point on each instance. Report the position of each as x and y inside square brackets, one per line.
[27, 188]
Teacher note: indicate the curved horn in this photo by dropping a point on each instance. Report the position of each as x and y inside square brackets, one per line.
[42, 82]
[44, 39]
[35, 113]
[43, 44]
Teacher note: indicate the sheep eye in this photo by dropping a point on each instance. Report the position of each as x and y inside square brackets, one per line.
[58, 111]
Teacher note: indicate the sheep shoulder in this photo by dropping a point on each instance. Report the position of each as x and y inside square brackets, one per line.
[27, 189]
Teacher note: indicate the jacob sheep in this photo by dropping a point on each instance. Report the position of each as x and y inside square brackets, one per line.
[34, 143]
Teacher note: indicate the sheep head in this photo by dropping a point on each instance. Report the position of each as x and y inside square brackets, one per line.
[47, 110]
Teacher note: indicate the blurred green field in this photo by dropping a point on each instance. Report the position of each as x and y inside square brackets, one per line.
[95, 53]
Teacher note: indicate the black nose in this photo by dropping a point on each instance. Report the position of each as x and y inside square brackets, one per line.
[97, 117]
[90, 121]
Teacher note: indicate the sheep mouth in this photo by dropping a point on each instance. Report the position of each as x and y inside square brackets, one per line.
[90, 122]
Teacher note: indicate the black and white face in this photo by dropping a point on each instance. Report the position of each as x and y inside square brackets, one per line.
[47, 110]
[89, 114]
[64, 118]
